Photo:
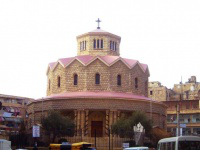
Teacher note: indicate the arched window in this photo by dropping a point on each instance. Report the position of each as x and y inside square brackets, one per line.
[110, 45]
[97, 78]
[49, 84]
[58, 81]
[113, 45]
[119, 80]
[101, 43]
[85, 45]
[98, 43]
[94, 43]
[136, 83]
[75, 79]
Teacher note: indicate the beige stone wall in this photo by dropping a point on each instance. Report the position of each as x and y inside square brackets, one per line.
[86, 78]
[190, 91]
[158, 93]
[154, 110]
[106, 46]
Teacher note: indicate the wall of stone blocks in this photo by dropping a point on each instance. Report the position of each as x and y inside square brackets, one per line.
[108, 79]
[154, 110]
[101, 51]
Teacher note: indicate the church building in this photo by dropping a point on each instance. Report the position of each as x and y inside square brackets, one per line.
[96, 87]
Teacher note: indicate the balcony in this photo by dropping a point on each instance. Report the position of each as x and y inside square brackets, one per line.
[185, 111]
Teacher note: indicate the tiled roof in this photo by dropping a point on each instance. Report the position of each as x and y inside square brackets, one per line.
[108, 60]
[98, 30]
[117, 95]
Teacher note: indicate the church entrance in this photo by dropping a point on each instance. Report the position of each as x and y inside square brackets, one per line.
[97, 126]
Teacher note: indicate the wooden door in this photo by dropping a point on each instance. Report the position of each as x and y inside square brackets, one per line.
[98, 127]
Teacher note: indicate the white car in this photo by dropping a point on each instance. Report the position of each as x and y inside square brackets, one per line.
[137, 148]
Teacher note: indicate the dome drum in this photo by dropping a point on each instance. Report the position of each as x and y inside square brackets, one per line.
[108, 68]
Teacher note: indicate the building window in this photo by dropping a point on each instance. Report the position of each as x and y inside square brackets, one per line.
[94, 43]
[151, 92]
[80, 45]
[115, 46]
[97, 78]
[194, 106]
[85, 45]
[101, 43]
[136, 83]
[75, 79]
[110, 45]
[58, 81]
[119, 80]
[187, 95]
[98, 43]
[49, 84]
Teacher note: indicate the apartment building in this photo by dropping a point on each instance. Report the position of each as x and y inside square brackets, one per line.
[12, 114]
[187, 96]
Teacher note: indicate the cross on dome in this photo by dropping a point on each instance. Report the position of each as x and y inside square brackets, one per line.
[98, 23]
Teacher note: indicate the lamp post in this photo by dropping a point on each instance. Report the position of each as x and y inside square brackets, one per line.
[42, 107]
[109, 137]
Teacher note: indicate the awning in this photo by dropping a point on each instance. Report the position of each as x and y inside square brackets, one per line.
[6, 114]
[17, 120]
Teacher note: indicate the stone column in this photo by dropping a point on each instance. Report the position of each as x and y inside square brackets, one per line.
[107, 122]
[86, 122]
[82, 122]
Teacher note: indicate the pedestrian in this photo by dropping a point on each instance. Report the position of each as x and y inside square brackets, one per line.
[35, 148]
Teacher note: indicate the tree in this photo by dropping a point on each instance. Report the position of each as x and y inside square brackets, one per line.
[124, 126]
[157, 134]
[57, 125]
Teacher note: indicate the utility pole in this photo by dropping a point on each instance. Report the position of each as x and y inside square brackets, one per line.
[178, 120]
[178, 109]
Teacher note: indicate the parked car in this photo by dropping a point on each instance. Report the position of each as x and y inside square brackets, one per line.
[137, 148]
[4, 144]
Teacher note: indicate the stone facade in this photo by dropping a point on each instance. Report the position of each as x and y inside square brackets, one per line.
[187, 96]
[86, 78]
[158, 92]
[188, 91]
[12, 114]
[96, 87]
[98, 35]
